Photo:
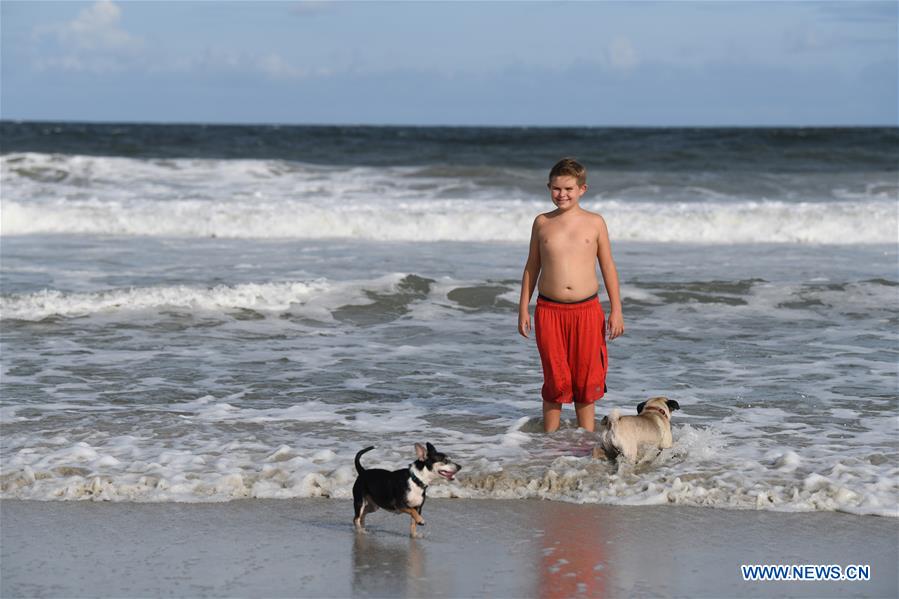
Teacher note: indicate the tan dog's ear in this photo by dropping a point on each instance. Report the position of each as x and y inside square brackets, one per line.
[672, 405]
[640, 406]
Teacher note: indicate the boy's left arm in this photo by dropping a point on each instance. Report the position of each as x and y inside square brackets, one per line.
[610, 278]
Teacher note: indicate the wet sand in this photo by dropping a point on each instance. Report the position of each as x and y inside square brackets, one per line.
[470, 548]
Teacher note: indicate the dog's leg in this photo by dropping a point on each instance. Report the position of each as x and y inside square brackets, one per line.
[368, 506]
[416, 519]
[359, 520]
[362, 505]
[629, 450]
[666, 441]
[359, 502]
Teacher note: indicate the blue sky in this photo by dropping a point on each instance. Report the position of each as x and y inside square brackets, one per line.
[452, 63]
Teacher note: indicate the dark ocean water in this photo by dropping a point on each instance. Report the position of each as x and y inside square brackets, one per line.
[794, 150]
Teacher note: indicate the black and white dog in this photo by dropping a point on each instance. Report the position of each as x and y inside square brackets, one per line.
[400, 490]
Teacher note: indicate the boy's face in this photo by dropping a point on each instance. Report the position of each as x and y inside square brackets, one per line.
[566, 192]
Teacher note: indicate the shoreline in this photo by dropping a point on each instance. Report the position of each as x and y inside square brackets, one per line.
[483, 547]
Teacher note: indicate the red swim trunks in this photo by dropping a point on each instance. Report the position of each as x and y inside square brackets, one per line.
[572, 343]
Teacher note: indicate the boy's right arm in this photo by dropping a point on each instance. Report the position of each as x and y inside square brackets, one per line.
[529, 282]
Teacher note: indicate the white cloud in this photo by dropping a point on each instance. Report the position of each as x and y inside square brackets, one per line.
[94, 41]
[96, 28]
[622, 54]
[276, 67]
[220, 60]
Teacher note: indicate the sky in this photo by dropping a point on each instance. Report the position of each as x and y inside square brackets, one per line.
[634, 63]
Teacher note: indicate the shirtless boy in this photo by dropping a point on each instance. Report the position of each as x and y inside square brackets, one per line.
[569, 321]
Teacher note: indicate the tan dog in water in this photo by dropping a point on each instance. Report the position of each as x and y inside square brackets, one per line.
[625, 435]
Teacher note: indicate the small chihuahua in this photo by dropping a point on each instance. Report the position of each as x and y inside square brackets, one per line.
[400, 490]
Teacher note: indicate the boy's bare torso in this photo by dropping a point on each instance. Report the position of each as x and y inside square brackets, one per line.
[568, 244]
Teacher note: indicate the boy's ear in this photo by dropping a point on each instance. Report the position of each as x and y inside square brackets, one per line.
[419, 451]
[640, 406]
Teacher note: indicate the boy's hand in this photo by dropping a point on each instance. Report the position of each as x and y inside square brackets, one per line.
[615, 326]
[524, 323]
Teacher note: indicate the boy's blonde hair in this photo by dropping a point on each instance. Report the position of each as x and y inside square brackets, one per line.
[569, 167]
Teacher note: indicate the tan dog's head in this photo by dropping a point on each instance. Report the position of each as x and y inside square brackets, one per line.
[661, 404]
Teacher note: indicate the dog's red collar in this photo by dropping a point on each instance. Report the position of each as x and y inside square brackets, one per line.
[655, 409]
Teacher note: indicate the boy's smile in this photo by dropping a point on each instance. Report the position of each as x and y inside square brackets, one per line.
[566, 192]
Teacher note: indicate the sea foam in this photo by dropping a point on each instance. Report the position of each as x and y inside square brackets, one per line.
[688, 474]
[464, 220]
[275, 199]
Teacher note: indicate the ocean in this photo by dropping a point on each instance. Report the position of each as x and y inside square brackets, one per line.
[196, 313]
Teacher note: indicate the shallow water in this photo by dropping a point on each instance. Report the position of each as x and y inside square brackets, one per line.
[235, 368]
[207, 328]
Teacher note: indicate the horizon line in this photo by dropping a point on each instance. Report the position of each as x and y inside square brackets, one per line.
[448, 126]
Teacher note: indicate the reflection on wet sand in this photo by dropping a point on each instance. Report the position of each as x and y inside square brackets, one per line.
[393, 566]
[574, 552]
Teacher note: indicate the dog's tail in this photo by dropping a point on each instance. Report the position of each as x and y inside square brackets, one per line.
[613, 418]
[359, 467]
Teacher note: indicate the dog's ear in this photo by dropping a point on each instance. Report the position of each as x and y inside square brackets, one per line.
[672, 405]
[640, 406]
[431, 449]
[420, 451]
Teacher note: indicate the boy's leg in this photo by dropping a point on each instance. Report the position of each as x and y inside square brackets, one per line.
[586, 415]
[553, 357]
[587, 358]
[552, 414]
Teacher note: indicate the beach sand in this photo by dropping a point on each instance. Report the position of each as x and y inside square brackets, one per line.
[470, 548]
